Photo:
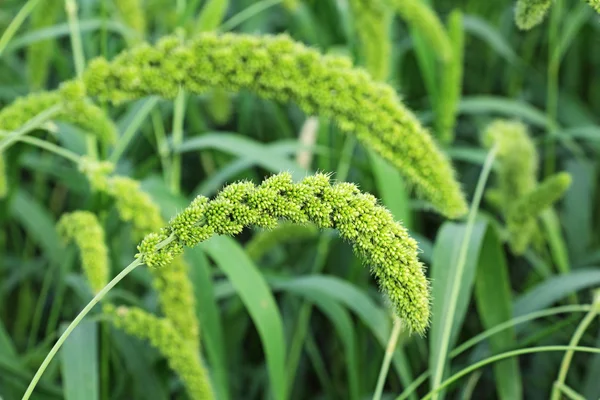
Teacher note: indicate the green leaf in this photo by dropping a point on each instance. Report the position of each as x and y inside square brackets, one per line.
[38, 224]
[483, 30]
[242, 146]
[506, 107]
[443, 274]
[494, 305]
[79, 363]
[210, 320]
[258, 299]
[392, 190]
[578, 207]
[554, 289]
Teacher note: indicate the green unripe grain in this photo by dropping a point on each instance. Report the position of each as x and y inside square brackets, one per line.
[529, 13]
[421, 16]
[277, 68]
[85, 230]
[165, 337]
[76, 110]
[380, 241]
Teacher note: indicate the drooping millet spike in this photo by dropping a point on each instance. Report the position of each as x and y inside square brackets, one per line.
[277, 68]
[380, 241]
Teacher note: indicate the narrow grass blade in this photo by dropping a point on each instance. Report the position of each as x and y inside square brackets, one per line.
[443, 275]
[79, 363]
[554, 289]
[483, 30]
[258, 299]
[243, 147]
[38, 224]
[210, 320]
[504, 106]
[494, 304]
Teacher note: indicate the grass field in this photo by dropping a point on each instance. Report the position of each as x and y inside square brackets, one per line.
[416, 213]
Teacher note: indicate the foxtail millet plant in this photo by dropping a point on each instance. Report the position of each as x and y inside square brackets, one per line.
[421, 16]
[276, 67]
[530, 13]
[380, 241]
[526, 209]
[73, 107]
[518, 195]
[39, 54]
[372, 23]
[161, 333]
[136, 207]
[85, 230]
[133, 14]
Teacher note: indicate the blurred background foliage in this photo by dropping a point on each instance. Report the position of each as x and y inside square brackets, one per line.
[547, 78]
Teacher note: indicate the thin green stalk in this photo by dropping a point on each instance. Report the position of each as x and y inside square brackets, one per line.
[492, 331]
[503, 356]
[132, 129]
[577, 335]
[567, 391]
[178, 117]
[51, 147]
[462, 260]
[247, 13]
[39, 308]
[552, 83]
[161, 143]
[16, 23]
[515, 321]
[79, 59]
[136, 263]
[30, 125]
[387, 359]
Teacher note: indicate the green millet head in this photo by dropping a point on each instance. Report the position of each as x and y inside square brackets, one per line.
[277, 68]
[85, 230]
[379, 240]
[166, 338]
[75, 109]
[523, 213]
[529, 13]
[517, 159]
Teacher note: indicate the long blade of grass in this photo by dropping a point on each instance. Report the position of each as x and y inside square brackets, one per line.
[258, 299]
[79, 363]
[455, 290]
[494, 304]
[210, 320]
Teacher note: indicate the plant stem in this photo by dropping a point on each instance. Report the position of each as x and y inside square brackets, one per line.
[79, 59]
[51, 147]
[136, 263]
[178, 117]
[552, 84]
[132, 128]
[16, 23]
[503, 356]
[566, 362]
[30, 125]
[462, 260]
[387, 359]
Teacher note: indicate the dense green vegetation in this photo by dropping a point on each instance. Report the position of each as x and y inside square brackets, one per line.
[450, 147]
